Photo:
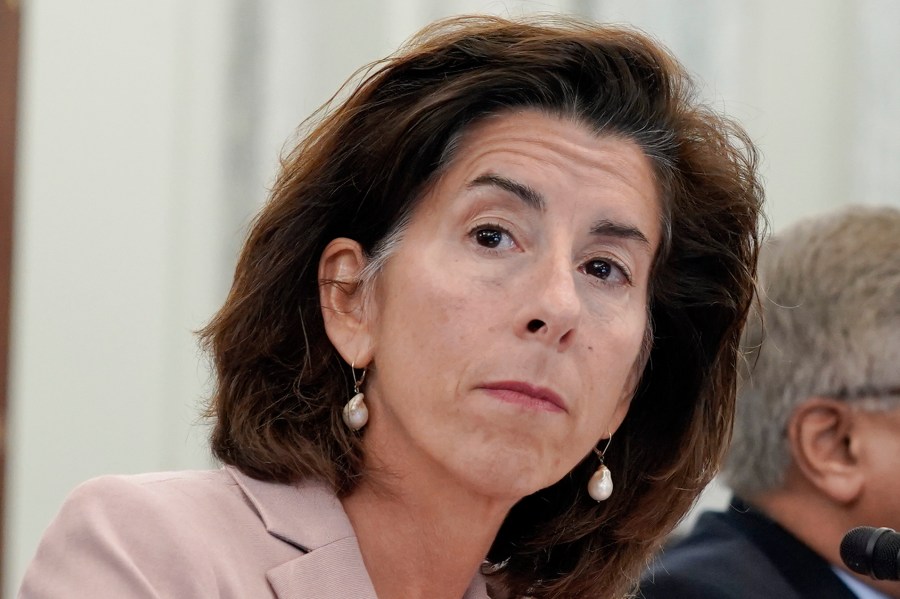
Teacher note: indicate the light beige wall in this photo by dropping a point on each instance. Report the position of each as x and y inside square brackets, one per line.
[119, 247]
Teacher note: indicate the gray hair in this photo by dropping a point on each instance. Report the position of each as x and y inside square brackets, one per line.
[830, 305]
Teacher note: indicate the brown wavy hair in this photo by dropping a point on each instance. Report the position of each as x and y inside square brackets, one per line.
[358, 172]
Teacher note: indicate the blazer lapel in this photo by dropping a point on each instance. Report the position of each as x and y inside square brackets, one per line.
[333, 571]
[311, 518]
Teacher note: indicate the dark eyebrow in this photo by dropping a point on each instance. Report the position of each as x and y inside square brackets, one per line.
[534, 199]
[611, 229]
[527, 194]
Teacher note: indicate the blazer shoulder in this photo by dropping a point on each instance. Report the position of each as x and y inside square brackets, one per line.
[183, 507]
[133, 536]
[165, 494]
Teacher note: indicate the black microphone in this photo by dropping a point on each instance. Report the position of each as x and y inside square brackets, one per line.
[872, 551]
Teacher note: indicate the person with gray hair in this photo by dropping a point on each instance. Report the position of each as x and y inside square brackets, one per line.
[816, 446]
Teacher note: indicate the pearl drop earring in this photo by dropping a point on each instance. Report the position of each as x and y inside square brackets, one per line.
[355, 413]
[600, 487]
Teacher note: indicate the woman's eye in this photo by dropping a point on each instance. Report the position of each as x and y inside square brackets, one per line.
[493, 238]
[606, 270]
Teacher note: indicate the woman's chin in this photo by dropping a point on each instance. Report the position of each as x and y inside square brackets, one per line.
[510, 477]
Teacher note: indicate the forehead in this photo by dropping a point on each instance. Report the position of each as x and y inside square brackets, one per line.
[524, 129]
[563, 159]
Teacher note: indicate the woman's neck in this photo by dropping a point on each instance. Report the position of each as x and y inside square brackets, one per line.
[422, 535]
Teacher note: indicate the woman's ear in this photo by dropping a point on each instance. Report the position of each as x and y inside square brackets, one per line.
[820, 433]
[343, 301]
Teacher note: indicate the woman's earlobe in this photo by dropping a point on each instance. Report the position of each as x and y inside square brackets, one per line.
[343, 300]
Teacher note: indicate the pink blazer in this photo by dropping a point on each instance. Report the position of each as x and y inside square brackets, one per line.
[213, 533]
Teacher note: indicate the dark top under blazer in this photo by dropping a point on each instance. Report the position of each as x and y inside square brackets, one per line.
[740, 554]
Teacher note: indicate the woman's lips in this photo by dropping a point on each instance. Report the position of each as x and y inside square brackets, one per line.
[526, 394]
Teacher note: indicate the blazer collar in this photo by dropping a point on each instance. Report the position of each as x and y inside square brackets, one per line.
[310, 517]
[307, 515]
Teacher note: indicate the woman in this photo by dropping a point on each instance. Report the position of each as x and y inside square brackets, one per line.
[480, 342]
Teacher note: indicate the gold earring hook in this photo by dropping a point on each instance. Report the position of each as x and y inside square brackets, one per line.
[601, 454]
[357, 383]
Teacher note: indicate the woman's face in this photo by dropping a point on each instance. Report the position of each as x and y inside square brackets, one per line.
[506, 327]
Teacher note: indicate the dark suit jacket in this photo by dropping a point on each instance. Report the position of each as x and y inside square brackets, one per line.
[740, 554]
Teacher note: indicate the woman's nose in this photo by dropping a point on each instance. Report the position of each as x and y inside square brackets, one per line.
[552, 305]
